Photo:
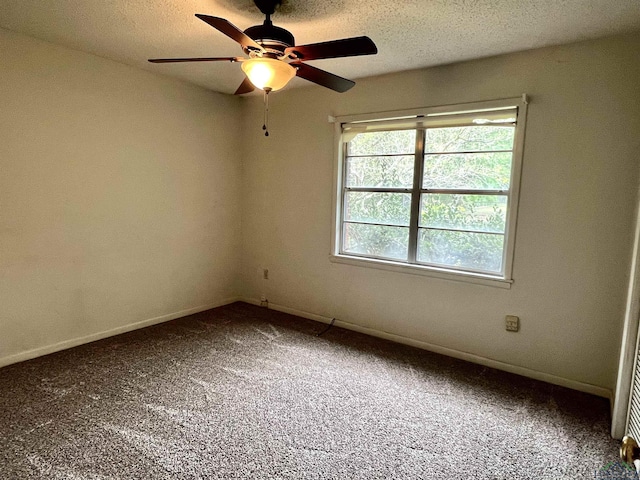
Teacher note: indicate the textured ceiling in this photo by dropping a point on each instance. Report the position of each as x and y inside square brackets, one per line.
[409, 34]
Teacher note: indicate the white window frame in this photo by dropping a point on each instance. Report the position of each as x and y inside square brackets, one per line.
[342, 123]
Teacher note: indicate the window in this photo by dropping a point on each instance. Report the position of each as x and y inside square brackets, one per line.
[434, 190]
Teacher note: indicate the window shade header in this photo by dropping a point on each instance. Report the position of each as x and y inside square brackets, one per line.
[492, 112]
[505, 116]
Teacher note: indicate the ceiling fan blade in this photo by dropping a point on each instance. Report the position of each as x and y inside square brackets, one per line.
[205, 59]
[323, 78]
[230, 31]
[347, 47]
[245, 87]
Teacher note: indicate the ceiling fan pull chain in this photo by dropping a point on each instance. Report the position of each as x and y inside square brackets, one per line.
[265, 125]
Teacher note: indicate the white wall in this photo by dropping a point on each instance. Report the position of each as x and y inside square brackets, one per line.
[118, 197]
[573, 244]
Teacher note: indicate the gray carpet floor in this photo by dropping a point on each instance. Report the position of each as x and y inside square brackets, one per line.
[245, 392]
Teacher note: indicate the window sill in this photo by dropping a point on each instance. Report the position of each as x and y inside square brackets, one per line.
[423, 270]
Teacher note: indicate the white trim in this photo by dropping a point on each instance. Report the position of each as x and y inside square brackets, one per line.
[469, 357]
[416, 269]
[505, 277]
[514, 188]
[46, 350]
[629, 345]
[336, 204]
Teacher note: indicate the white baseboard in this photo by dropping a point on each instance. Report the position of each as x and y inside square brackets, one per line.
[292, 311]
[46, 350]
[469, 357]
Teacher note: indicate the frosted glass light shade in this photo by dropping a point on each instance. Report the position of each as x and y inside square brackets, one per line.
[268, 73]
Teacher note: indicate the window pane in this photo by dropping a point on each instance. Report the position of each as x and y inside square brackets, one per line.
[383, 143]
[466, 139]
[372, 207]
[484, 213]
[390, 171]
[486, 171]
[376, 241]
[475, 251]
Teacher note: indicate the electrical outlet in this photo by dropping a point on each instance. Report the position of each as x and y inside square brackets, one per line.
[512, 323]
[263, 301]
[265, 274]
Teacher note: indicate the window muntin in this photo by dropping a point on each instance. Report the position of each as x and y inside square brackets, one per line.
[379, 208]
[381, 170]
[464, 212]
[376, 241]
[486, 170]
[476, 251]
[432, 191]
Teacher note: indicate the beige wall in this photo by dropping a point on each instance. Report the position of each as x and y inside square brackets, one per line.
[574, 235]
[118, 197]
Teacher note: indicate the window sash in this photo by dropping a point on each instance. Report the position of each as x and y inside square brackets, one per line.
[499, 112]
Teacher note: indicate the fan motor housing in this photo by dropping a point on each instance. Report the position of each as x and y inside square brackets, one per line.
[271, 36]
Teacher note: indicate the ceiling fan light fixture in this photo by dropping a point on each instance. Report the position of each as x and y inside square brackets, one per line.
[268, 73]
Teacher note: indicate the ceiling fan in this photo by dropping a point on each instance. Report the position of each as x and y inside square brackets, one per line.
[274, 59]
